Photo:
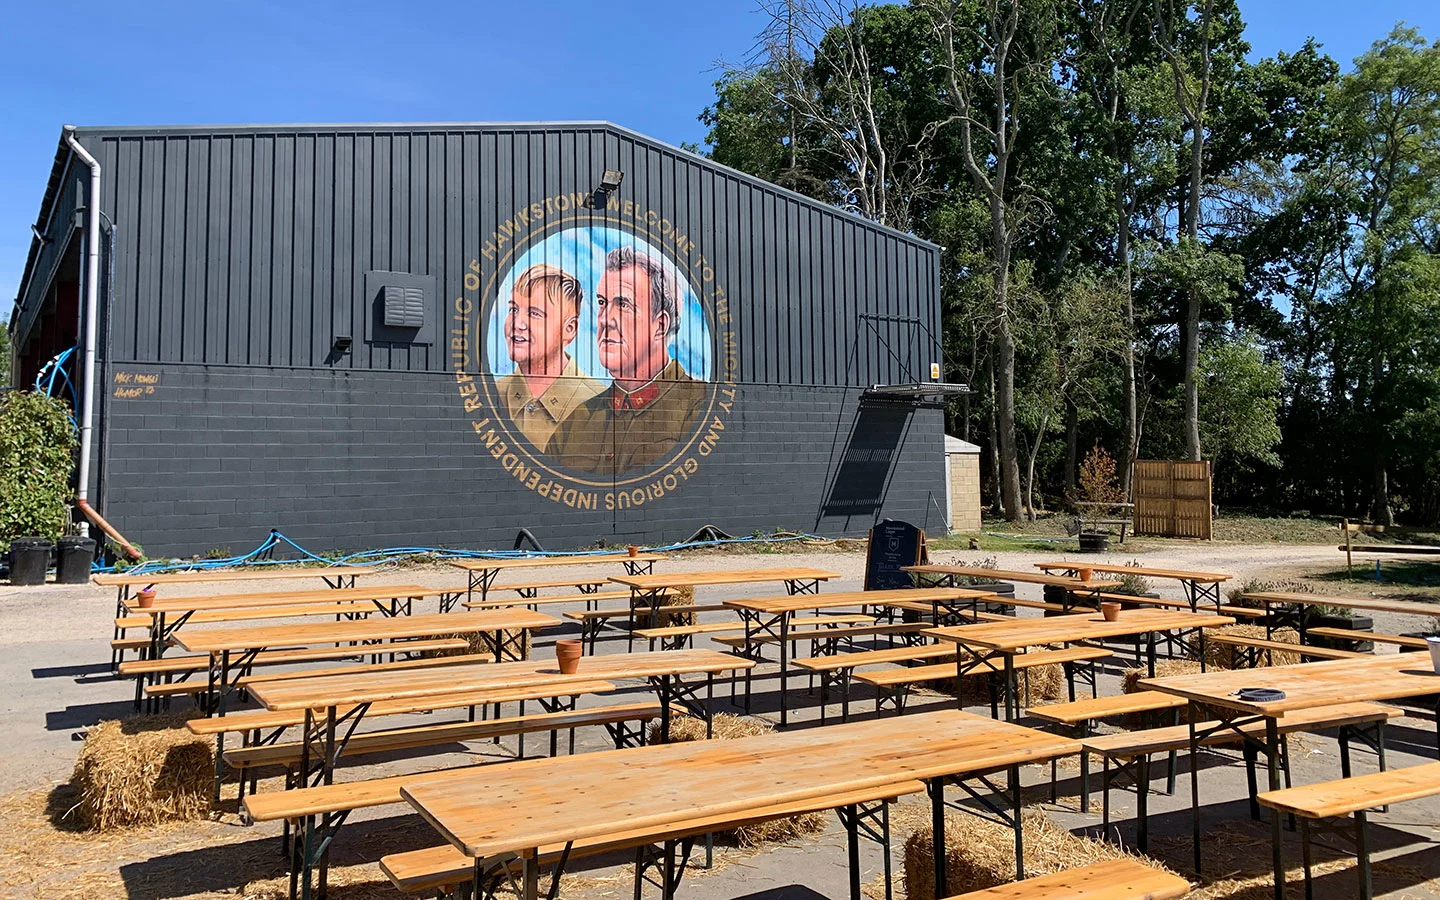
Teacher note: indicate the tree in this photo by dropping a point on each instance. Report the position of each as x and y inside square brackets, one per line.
[1386, 137]
[989, 62]
[1240, 393]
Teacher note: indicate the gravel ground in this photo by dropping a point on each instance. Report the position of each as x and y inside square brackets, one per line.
[54, 643]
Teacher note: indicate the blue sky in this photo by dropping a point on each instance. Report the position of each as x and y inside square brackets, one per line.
[645, 65]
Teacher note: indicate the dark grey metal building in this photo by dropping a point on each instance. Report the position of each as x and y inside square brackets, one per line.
[322, 329]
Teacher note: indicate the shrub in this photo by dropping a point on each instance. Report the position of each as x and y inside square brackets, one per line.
[1098, 482]
[37, 446]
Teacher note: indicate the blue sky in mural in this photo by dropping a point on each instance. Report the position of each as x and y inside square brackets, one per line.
[581, 252]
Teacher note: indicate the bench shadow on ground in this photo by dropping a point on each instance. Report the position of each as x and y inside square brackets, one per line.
[1237, 849]
[227, 868]
[85, 715]
[75, 672]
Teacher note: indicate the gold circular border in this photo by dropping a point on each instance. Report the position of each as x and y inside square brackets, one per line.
[487, 379]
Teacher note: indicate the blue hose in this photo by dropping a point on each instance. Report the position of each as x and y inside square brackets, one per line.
[258, 559]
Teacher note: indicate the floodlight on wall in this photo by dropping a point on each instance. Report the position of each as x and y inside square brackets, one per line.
[610, 180]
[342, 344]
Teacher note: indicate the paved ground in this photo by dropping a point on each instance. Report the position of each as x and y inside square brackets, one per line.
[53, 653]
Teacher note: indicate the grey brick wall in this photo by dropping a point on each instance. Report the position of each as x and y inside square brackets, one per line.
[214, 457]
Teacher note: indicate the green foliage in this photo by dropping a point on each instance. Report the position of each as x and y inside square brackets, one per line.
[4, 357]
[37, 445]
[1316, 258]
[1239, 402]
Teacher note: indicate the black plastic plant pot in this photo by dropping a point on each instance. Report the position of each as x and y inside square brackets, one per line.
[75, 556]
[29, 559]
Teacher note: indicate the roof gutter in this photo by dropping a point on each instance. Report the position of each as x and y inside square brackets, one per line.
[87, 325]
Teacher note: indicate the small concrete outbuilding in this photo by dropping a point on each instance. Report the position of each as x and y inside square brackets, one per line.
[962, 485]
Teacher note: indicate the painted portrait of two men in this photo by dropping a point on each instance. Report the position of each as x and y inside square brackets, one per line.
[563, 343]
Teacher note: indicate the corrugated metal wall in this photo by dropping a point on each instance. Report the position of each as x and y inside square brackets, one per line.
[250, 246]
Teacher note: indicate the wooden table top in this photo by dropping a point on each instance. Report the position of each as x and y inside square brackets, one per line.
[1390, 676]
[734, 576]
[1374, 604]
[1176, 574]
[338, 690]
[1006, 575]
[287, 598]
[213, 640]
[1021, 633]
[256, 574]
[531, 803]
[527, 562]
[840, 599]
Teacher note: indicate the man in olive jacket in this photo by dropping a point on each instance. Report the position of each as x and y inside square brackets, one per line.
[652, 402]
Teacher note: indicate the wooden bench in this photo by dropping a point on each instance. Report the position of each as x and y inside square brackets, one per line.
[287, 754]
[185, 687]
[1080, 717]
[120, 645]
[1352, 796]
[584, 585]
[593, 620]
[346, 608]
[254, 725]
[926, 609]
[1349, 634]
[1254, 647]
[827, 634]
[1119, 879]
[587, 599]
[1235, 612]
[838, 668]
[891, 684]
[1138, 746]
[444, 867]
[678, 637]
[167, 667]
[675, 637]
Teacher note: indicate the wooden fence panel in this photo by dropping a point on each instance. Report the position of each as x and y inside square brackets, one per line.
[1172, 498]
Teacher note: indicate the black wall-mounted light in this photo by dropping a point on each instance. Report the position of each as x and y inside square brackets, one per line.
[342, 344]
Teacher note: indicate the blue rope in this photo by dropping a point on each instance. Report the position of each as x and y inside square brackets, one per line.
[396, 554]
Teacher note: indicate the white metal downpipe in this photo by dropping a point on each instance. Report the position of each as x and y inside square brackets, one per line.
[92, 304]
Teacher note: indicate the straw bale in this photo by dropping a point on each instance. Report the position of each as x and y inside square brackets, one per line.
[683, 595]
[980, 854]
[144, 770]
[1130, 684]
[484, 643]
[729, 727]
[1039, 685]
[1222, 656]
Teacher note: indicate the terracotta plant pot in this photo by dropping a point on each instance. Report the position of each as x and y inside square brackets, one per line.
[1111, 611]
[1084, 574]
[146, 598]
[568, 654]
[633, 550]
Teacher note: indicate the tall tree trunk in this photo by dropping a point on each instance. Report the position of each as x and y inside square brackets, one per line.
[1072, 447]
[1380, 510]
[1005, 387]
[1130, 437]
[992, 448]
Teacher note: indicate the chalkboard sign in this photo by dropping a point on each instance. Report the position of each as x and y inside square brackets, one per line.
[892, 545]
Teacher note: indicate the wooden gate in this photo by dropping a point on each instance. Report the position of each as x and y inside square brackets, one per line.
[1172, 498]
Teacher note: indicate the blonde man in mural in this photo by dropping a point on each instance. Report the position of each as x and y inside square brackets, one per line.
[541, 321]
[652, 402]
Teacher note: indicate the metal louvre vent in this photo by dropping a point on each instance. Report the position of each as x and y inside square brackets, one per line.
[404, 306]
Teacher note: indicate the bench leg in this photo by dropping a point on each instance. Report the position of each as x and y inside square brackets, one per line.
[1362, 853]
[1082, 732]
[1305, 860]
[1142, 803]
